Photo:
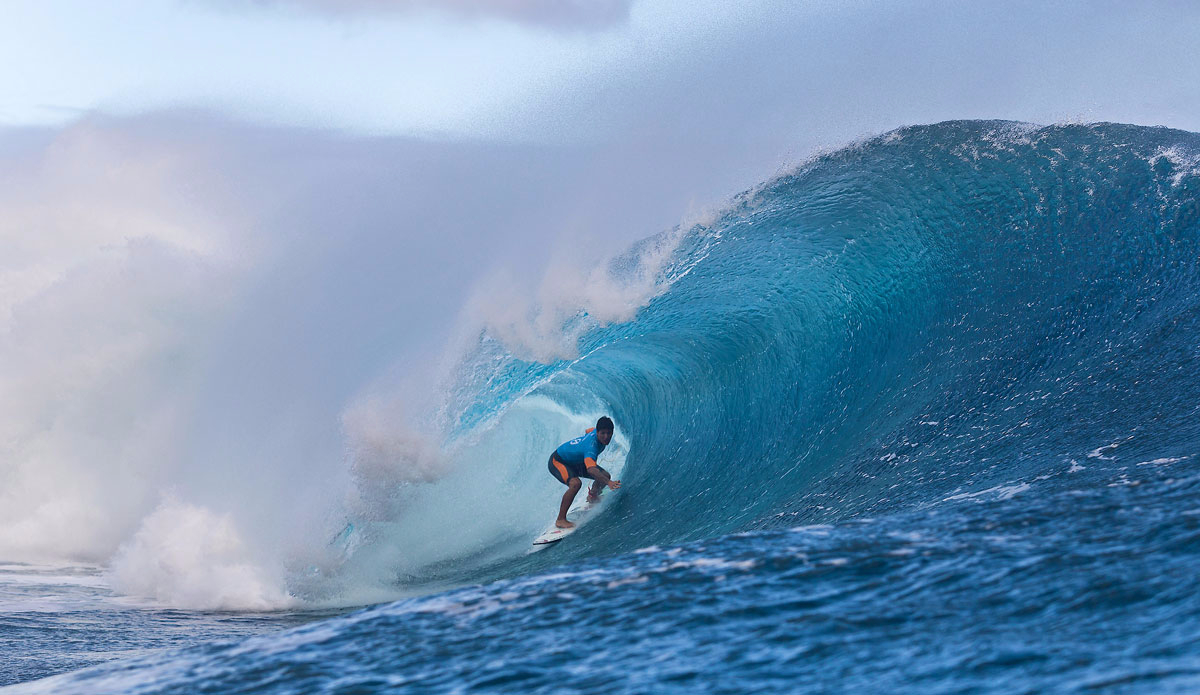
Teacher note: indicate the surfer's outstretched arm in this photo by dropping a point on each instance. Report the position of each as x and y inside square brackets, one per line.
[602, 477]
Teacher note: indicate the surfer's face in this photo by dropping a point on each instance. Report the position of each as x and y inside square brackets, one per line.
[604, 436]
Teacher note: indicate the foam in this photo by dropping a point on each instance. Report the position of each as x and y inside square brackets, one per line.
[1163, 461]
[574, 295]
[490, 487]
[1186, 163]
[187, 556]
[1002, 492]
[387, 451]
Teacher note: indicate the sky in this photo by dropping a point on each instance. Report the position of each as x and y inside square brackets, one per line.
[233, 232]
[538, 70]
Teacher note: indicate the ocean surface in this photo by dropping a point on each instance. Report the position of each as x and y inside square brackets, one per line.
[920, 416]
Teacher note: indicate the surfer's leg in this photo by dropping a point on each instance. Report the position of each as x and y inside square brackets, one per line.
[558, 470]
[573, 485]
[564, 476]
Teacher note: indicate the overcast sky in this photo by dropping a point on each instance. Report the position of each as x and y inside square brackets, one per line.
[559, 70]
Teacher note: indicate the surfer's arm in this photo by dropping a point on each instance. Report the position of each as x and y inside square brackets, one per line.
[601, 475]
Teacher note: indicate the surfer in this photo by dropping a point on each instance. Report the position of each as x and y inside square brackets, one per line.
[577, 459]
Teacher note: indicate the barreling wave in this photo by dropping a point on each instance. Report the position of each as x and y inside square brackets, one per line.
[932, 309]
[956, 362]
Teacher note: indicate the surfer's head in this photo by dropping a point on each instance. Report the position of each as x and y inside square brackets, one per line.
[604, 430]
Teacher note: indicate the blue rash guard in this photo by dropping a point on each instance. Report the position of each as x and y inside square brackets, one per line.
[579, 454]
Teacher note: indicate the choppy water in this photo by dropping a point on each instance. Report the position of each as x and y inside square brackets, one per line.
[58, 618]
[918, 417]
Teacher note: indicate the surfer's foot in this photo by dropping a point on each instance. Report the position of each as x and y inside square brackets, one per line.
[563, 523]
[593, 497]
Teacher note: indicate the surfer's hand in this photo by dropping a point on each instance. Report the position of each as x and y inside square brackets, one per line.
[614, 484]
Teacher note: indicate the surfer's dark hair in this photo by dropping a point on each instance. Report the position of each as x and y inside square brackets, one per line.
[604, 424]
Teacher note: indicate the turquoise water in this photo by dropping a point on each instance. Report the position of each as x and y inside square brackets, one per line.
[920, 416]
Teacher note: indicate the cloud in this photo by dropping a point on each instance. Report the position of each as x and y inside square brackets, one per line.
[773, 78]
[559, 14]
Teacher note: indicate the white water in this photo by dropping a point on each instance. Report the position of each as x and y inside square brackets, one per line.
[213, 351]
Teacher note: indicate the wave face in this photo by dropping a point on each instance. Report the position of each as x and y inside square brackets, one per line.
[935, 309]
[922, 413]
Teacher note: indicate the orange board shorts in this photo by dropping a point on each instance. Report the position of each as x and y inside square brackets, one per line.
[563, 471]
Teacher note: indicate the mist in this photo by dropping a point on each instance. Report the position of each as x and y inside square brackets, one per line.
[211, 325]
[212, 328]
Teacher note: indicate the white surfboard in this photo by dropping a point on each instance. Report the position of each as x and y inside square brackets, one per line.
[578, 515]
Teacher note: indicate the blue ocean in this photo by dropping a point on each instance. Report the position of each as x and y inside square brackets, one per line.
[918, 416]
